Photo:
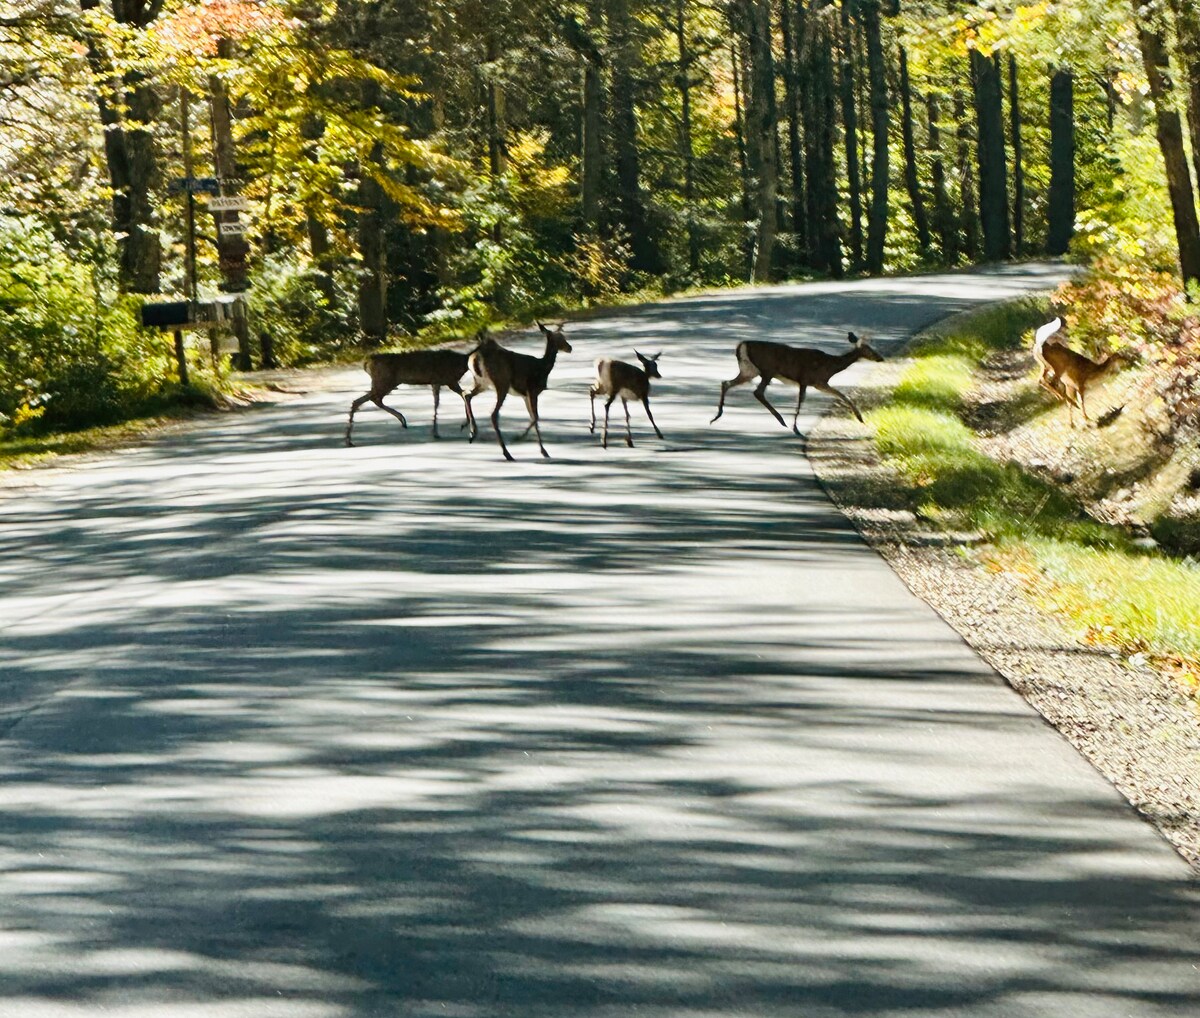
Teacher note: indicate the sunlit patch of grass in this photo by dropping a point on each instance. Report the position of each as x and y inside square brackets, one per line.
[1117, 593]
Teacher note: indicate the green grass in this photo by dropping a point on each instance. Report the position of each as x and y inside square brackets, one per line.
[1094, 574]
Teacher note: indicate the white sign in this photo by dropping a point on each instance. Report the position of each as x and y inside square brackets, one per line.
[230, 203]
[232, 229]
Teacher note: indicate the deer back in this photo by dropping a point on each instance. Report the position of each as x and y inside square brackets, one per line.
[414, 367]
[615, 378]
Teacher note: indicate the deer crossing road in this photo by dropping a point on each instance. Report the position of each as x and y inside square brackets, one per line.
[299, 730]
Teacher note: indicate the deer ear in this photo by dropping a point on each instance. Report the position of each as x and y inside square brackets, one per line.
[854, 340]
[542, 327]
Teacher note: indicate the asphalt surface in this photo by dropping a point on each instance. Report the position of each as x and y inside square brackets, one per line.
[290, 729]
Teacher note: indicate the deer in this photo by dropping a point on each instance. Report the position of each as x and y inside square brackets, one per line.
[1067, 374]
[618, 378]
[434, 368]
[802, 366]
[495, 367]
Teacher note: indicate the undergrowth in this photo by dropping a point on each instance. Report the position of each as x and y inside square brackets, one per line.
[1118, 594]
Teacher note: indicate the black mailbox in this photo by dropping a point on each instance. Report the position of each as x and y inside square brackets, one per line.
[168, 314]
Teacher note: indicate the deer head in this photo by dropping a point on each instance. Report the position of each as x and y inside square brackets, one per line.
[650, 364]
[555, 336]
[864, 350]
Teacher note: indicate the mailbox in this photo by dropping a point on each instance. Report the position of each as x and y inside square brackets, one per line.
[193, 314]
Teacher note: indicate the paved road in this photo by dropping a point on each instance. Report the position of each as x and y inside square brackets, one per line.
[296, 730]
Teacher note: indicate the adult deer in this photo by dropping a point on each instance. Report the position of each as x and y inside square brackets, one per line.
[802, 366]
[498, 368]
[618, 378]
[434, 368]
[1067, 374]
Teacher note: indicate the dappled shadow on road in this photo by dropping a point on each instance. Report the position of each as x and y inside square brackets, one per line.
[405, 730]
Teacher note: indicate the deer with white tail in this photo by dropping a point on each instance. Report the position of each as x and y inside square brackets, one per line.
[498, 368]
[1067, 374]
[802, 366]
[618, 378]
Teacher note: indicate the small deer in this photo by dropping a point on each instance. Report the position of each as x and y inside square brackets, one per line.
[434, 368]
[1067, 374]
[617, 378]
[495, 367]
[801, 366]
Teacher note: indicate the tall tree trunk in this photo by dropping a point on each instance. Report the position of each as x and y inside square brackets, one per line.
[943, 211]
[593, 122]
[131, 153]
[739, 122]
[790, 17]
[761, 131]
[624, 60]
[232, 251]
[1187, 31]
[1018, 201]
[968, 204]
[820, 127]
[319, 243]
[1170, 138]
[877, 215]
[495, 107]
[1060, 225]
[920, 218]
[850, 127]
[993, 173]
[685, 136]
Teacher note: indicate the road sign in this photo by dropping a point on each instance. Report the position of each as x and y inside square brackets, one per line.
[232, 229]
[228, 203]
[196, 185]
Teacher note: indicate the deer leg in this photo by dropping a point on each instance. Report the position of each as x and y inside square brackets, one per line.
[843, 397]
[760, 394]
[592, 400]
[1082, 406]
[378, 401]
[628, 429]
[437, 398]
[799, 401]
[353, 407]
[470, 422]
[607, 405]
[455, 387]
[741, 379]
[646, 404]
[500, 394]
[531, 403]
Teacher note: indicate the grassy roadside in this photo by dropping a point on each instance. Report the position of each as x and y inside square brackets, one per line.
[1114, 592]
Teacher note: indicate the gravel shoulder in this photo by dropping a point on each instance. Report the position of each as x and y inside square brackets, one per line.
[1139, 728]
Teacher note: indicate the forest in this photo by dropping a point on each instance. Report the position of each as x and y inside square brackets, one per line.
[403, 171]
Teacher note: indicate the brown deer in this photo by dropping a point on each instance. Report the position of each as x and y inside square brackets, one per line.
[434, 368]
[495, 367]
[801, 366]
[1067, 374]
[617, 378]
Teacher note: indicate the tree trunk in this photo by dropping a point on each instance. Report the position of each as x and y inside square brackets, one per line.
[850, 127]
[739, 123]
[319, 243]
[993, 173]
[232, 251]
[790, 18]
[968, 205]
[820, 125]
[1014, 111]
[1170, 139]
[1187, 29]
[920, 218]
[685, 136]
[1060, 225]
[877, 215]
[495, 107]
[943, 211]
[131, 154]
[761, 131]
[624, 60]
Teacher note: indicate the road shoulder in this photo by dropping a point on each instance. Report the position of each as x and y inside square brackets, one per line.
[1137, 727]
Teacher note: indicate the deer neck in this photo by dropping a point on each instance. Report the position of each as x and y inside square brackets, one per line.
[549, 357]
[840, 362]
